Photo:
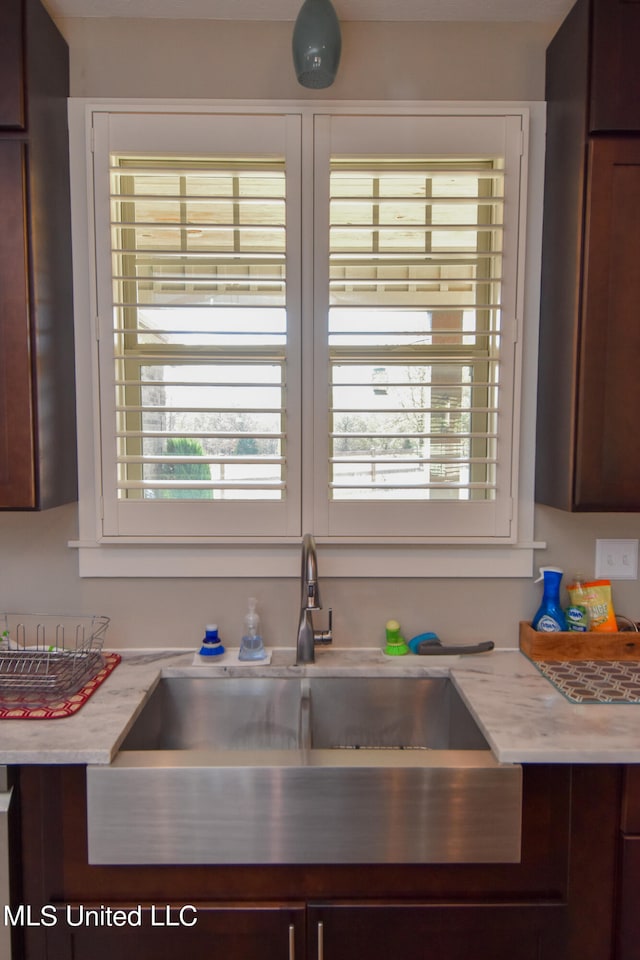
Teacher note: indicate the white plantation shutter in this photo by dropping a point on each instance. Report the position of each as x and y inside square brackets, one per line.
[198, 360]
[421, 325]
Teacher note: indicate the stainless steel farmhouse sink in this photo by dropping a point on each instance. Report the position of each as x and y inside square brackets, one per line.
[304, 770]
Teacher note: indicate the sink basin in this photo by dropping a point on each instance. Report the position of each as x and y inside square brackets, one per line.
[243, 713]
[262, 713]
[304, 770]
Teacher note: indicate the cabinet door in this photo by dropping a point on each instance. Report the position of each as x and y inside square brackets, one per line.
[628, 926]
[615, 66]
[419, 932]
[631, 800]
[164, 933]
[608, 433]
[11, 65]
[17, 469]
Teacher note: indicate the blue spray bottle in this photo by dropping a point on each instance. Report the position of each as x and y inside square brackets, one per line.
[550, 617]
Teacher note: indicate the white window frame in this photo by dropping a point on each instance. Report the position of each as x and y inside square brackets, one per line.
[381, 555]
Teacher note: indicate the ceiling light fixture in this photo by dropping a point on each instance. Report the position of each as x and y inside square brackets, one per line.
[316, 44]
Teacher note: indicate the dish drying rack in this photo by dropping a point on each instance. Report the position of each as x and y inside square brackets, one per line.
[45, 657]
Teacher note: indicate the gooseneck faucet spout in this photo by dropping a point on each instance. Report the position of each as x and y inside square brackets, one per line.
[310, 601]
[309, 579]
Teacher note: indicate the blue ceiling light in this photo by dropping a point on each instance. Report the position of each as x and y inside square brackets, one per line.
[316, 44]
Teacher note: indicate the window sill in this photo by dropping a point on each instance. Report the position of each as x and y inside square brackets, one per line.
[282, 559]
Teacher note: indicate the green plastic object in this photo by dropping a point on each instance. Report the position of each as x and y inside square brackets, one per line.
[396, 645]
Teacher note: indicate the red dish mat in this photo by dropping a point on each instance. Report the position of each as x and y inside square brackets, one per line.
[64, 707]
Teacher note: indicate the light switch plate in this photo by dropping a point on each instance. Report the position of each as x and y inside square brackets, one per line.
[617, 559]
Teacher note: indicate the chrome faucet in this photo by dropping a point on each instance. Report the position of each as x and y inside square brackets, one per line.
[310, 601]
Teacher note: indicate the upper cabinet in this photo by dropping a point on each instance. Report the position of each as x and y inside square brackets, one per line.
[588, 438]
[37, 391]
[615, 66]
[11, 66]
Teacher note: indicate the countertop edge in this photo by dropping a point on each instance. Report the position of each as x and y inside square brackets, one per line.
[522, 716]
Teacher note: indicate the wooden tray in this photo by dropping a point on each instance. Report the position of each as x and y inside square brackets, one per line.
[578, 646]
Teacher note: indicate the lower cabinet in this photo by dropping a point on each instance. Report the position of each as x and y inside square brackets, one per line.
[319, 932]
[628, 925]
[557, 903]
[441, 932]
[628, 928]
[164, 932]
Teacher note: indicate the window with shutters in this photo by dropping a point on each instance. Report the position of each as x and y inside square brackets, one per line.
[307, 319]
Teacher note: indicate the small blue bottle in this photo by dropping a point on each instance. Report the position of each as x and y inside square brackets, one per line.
[550, 617]
[211, 644]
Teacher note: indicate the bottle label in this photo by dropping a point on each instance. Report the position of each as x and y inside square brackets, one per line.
[547, 624]
[577, 619]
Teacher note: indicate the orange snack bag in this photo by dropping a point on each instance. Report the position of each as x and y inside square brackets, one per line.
[597, 600]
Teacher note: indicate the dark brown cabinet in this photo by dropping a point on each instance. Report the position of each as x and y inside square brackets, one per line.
[557, 903]
[615, 65]
[159, 932]
[588, 444]
[419, 931]
[608, 439]
[11, 64]
[628, 925]
[37, 392]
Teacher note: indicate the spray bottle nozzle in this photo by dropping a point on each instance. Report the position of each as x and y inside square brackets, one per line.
[544, 570]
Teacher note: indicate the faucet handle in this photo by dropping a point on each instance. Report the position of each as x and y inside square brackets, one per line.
[325, 636]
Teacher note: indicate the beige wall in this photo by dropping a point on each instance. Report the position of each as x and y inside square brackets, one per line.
[165, 58]
[249, 59]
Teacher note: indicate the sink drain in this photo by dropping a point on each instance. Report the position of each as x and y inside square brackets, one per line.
[367, 746]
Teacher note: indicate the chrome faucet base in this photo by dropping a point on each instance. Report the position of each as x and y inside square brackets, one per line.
[305, 648]
[310, 601]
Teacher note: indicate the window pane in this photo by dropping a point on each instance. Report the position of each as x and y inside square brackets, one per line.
[200, 327]
[414, 328]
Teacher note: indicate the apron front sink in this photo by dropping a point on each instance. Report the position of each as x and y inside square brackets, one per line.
[304, 770]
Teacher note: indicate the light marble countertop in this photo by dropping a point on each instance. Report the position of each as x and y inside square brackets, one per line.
[523, 717]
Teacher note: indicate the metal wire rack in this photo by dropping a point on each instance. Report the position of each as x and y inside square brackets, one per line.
[45, 657]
